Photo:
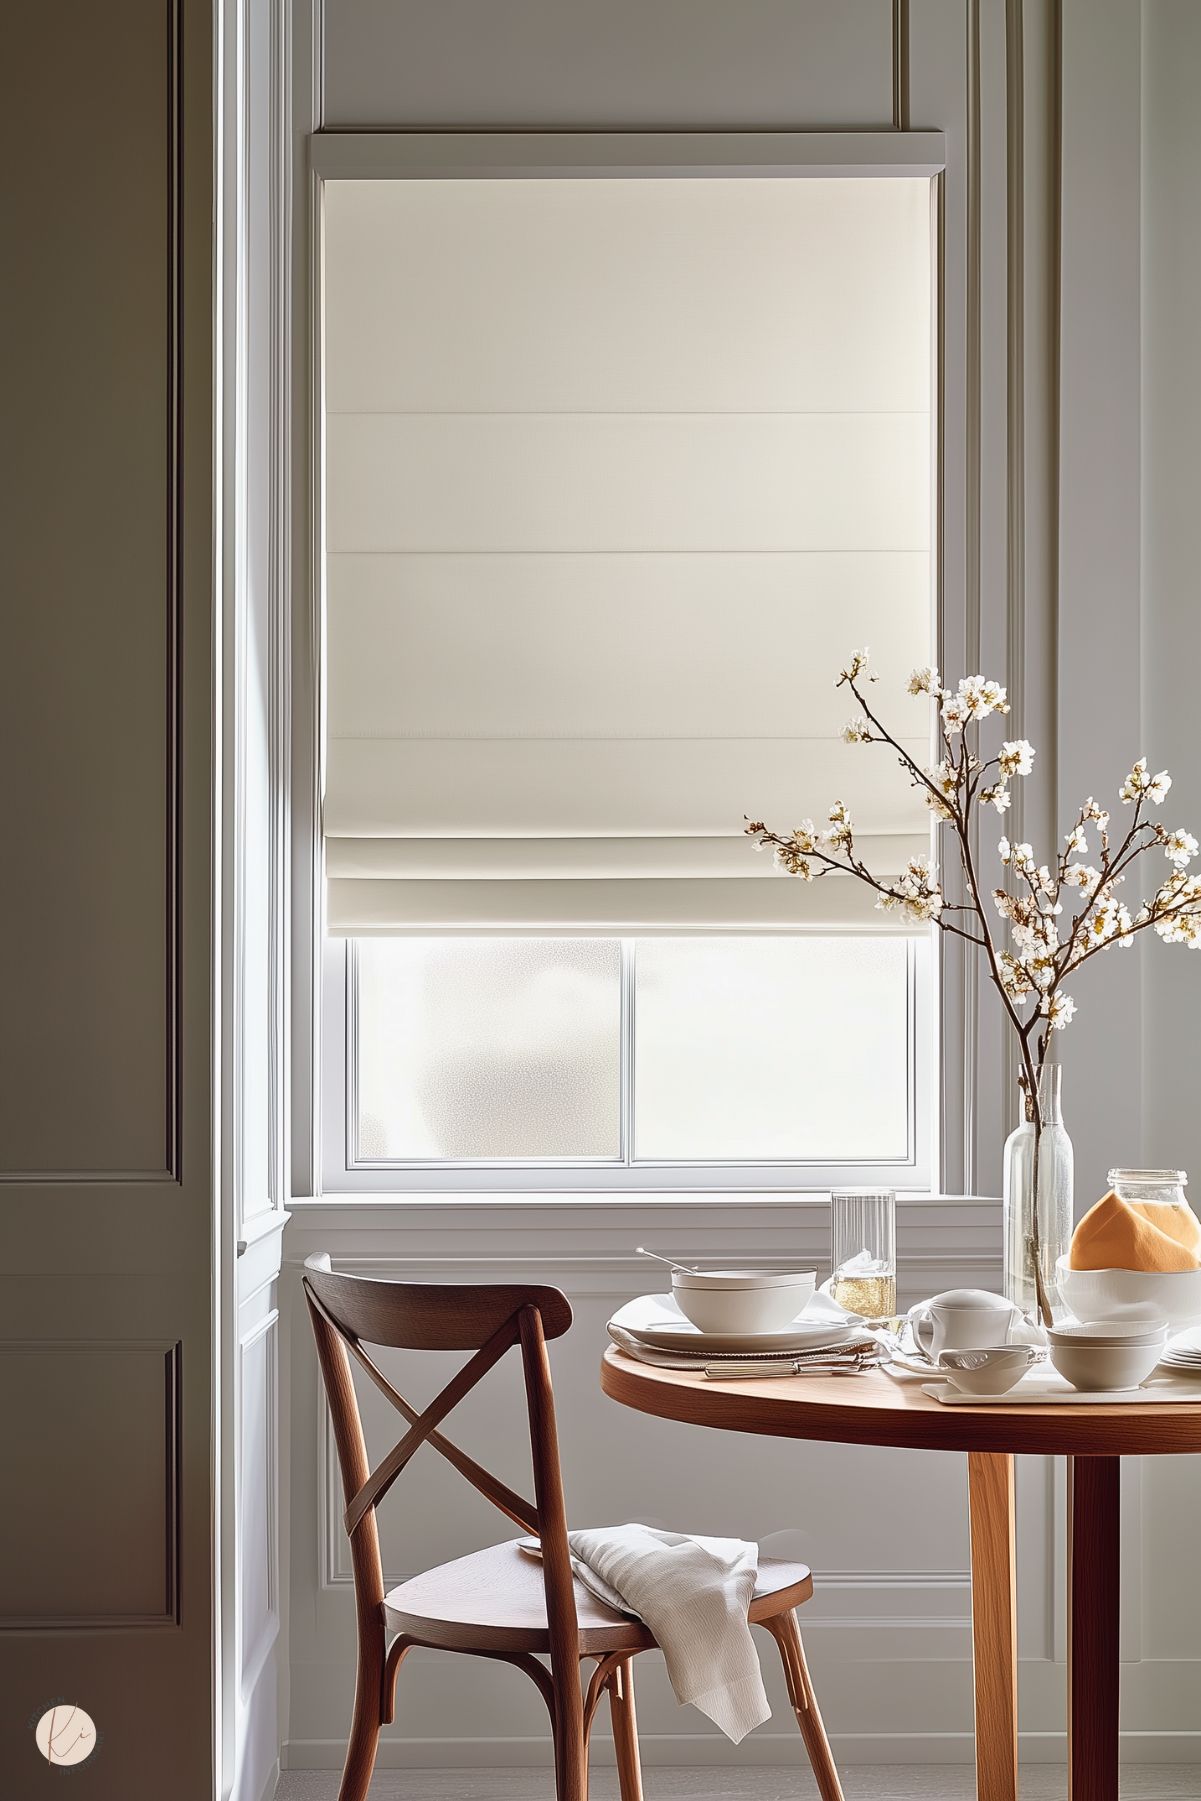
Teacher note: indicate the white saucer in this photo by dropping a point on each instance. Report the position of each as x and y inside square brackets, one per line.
[655, 1320]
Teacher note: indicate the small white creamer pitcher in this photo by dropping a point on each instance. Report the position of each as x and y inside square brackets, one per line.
[963, 1319]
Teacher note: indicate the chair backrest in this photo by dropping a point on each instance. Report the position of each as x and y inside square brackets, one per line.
[349, 1311]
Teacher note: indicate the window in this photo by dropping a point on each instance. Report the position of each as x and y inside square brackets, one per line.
[695, 1061]
[617, 471]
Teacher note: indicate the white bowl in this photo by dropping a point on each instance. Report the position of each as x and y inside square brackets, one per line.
[742, 1300]
[1091, 1366]
[992, 1370]
[1094, 1294]
[1108, 1332]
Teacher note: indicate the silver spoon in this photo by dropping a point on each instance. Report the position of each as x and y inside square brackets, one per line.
[683, 1267]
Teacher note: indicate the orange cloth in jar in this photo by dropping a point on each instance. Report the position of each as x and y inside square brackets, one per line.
[1117, 1234]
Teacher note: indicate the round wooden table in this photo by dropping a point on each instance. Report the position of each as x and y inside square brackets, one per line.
[875, 1409]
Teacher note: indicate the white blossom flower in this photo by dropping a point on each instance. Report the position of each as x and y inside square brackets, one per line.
[841, 834]
[944, 778]
[856, 731]
[856, 667]
[806, 838]
[1080, 875]
[978, 697]
[954, 714]
[1138, 782]
[998, 797]
[1181, 893]
[1106, 918]
[924, 681]
[1016, 758]
[1180, 848]
[792, 863]
[1092, 810]
[1076, 842]
[1042, 970]
[915, 893]
[1015, 978]
[1059, 1010]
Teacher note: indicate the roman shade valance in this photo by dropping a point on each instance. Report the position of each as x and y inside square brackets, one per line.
[618, 472]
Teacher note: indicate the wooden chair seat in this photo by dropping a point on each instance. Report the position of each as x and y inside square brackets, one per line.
[495, 1600]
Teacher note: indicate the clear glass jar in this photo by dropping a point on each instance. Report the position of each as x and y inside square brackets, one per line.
[863, 1251]
[1051, 1228]
[1163, 1187]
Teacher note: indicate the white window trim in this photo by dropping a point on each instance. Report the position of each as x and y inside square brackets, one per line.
[318, 1015]
[342, 1174]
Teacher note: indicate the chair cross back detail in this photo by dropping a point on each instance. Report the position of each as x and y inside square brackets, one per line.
[423, 1426]
[487, 1321]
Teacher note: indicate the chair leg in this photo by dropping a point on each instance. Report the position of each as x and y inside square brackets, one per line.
[787, 1635]
[365, 1725]
[625, 1730]
[571, 1757]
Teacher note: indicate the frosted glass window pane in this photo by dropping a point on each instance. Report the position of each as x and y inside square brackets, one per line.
[488, 1048]
[765, 1048]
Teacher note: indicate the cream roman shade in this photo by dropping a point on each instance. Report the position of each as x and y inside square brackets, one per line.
[618, 472]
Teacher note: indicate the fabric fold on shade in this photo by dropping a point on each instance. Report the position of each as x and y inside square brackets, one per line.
[608, 506]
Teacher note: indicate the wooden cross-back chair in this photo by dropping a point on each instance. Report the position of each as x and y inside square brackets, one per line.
[501, 1602]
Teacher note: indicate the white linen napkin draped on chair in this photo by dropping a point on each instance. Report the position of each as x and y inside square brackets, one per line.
[694, 1594]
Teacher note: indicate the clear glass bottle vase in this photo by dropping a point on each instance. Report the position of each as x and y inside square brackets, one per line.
[1047, 1233]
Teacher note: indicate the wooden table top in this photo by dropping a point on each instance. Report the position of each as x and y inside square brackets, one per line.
[875, 1408]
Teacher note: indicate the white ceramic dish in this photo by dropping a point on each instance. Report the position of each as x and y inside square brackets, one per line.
[1107, 1332]
[1094, 1294]
[1183, 1354]
[655, 1320]
[992, 1370]
[747, 1301]
[1111, 1366]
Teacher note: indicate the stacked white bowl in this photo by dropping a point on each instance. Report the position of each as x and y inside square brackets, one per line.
[1117, 1352]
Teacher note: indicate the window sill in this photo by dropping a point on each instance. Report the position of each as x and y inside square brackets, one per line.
[944, 1241]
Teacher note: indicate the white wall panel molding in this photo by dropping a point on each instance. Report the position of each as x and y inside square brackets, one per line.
[579, 1232]
[257, 1402]
[255, 854]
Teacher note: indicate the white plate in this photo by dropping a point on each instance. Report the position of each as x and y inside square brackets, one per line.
[1184, 1351]
[655, 1320]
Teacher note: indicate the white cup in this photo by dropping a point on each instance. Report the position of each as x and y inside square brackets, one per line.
[963, 1319]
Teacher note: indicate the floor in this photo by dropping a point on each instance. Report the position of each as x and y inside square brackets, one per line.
[944, 1782]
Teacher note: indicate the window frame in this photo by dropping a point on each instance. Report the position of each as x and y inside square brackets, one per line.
[317, 1129]
[345, 1173]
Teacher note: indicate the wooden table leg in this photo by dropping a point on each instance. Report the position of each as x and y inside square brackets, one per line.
[1094, 1562]
[994, 1623]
